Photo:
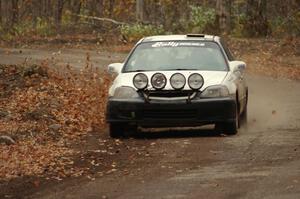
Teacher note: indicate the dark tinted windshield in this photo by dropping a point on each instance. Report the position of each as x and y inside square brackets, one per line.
[178, 55]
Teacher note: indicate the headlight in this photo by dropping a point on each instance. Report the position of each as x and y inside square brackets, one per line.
[195, 81]
[140, 81]
[177, 81]
[215, 91]
[125, 92]
[158, 81]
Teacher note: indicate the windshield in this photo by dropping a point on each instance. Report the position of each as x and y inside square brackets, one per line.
[178, 55]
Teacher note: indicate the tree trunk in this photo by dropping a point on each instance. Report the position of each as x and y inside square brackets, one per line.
[58, 13]
[140, 10]
[0, 12]
[36, 8]
[151, 11]
[111, 7]
[223, 8]
[228, 16]
[76, 7]
[171, 15]
[257, 23]
[14, 13]
[100, 8]
[48, 8]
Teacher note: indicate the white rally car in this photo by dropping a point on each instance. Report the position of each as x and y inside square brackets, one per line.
[177, 80]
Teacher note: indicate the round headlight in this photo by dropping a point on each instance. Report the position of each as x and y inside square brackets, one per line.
[158, 81]
[195, 81]
[140, 81]
[177, 81]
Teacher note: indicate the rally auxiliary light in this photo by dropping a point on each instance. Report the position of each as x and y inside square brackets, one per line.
[158, 81]
[195, 81]
[177, 81]
[140, 81]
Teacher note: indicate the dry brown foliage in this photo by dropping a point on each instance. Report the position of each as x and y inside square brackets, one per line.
[45, 111]
[274, 58]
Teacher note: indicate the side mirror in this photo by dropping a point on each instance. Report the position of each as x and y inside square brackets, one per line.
[115, 68]
[237, 66]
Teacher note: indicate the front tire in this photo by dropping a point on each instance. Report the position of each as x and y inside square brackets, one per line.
[229, 128]
[119, 130]
[116, 130]
[244, 117]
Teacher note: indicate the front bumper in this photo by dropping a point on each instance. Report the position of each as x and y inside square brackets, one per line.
[171, 113]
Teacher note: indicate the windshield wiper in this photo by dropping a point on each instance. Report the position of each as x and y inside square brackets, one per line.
[140, 70]
[184, 69]
[136, 71]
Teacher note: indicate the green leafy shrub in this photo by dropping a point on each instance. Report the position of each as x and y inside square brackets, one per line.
[239, 25]
[137, 31]
[43, 27]
[4, 34]
[201, 18]
[286, 25]
[40, 27]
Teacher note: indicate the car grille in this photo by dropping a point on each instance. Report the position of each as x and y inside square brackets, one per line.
[170, 114]
[170, 94]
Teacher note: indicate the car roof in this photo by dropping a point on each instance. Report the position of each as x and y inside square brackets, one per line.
[188, 37]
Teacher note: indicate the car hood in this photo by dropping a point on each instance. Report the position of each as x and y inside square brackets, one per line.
[210, 78]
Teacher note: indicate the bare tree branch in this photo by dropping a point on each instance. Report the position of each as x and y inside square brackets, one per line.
[101, 19]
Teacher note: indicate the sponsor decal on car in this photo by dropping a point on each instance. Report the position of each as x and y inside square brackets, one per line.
[177, 44]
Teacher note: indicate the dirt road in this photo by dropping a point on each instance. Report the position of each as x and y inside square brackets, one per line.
[262, 161]
[62, 57]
